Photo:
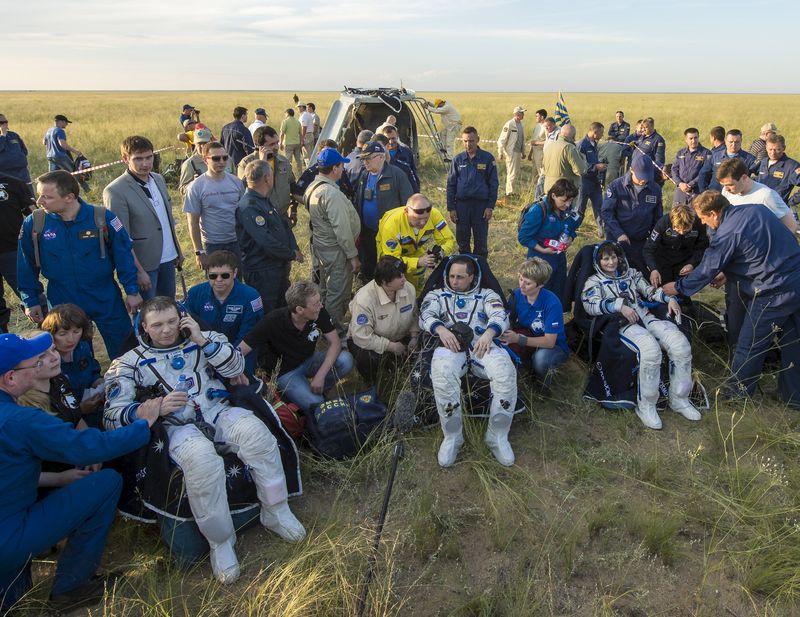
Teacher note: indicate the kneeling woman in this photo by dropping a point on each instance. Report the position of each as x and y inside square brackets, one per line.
[548, 228]
[383, 318]
[537, 321]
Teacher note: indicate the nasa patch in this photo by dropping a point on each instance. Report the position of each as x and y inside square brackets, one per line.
[392, 244]
[208, 307]
[362, 320]
[49, 235]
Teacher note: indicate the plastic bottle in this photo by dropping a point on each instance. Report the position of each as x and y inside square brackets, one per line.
[182, 385]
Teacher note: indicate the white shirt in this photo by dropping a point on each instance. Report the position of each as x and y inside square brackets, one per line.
[759, 194]
[168, 250]
[307, 120]
[252, 128]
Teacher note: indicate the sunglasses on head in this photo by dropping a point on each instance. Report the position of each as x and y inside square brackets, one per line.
[422, 210]
[219, 157]
[215, 275]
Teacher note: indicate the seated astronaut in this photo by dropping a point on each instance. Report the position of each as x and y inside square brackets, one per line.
[185, 363]
[617, 288]
[467, 319]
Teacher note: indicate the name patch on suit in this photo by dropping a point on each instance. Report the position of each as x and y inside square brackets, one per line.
[650, 199]
[386, 186]
[234, 308]
[88, 234]
[481, 166]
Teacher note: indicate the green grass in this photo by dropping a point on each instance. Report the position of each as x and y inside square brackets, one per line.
[599, 517]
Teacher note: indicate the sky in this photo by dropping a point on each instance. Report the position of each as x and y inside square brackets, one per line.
[444, 45]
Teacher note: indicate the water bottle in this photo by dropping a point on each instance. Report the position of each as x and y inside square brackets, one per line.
[182, 385]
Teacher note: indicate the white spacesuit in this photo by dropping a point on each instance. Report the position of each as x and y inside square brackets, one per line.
[481, 309]
[235, 428]
[605, 294]
[451, 123]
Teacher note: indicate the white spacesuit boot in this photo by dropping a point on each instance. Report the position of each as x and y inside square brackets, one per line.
[680, 386]
[649, 376]
[222, 556]
[258, 449]
[450, 420]
[497, 436]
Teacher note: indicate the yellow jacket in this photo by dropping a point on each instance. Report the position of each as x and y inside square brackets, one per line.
[396, 237]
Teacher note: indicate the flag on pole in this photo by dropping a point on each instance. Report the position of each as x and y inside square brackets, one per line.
[562, 115]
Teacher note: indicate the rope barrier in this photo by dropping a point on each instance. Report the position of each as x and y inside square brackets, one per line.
[111, 164]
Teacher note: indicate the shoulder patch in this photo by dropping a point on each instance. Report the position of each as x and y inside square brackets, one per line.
[115, 223]
[441, 225]
[256, 304]
[362, 319]
[391, 243]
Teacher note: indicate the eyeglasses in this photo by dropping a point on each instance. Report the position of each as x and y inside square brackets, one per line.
[3, 121]
[422, 210]
[219, 157]
[39, 363]
[215, 275]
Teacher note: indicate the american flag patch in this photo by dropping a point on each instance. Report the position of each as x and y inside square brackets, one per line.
[116, 224]
[257, 304]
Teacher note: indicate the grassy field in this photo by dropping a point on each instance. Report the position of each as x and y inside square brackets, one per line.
[600, 516]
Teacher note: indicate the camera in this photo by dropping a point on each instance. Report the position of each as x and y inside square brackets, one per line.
[437, 252]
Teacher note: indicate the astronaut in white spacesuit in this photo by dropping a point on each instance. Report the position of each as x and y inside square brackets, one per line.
[616, 288]
[467, 319]
[175, 355]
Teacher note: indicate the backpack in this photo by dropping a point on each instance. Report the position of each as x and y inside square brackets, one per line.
[339, 428]
[524, 212]
[38, 225]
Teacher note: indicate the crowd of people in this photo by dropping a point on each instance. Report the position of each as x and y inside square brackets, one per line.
[425, 290]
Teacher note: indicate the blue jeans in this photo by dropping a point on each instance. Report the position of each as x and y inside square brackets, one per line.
[294, 384]
[162, 281]
[82, 512]
[545, 362]
[185, 542]
[60, 162]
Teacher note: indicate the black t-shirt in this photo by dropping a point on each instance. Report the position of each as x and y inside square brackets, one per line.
[275, 338]
[15, 198]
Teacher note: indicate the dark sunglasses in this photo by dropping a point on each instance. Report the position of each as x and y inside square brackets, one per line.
[215, 275]
[3, 121]
[422, 210]
[219, 157]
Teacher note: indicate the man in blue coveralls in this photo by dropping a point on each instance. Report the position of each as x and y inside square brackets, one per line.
[686, 168]
[778, 171]
[82, 511]
[591, 188]
[77, 267]
[472, 193]
[761, 258]
[707, 180]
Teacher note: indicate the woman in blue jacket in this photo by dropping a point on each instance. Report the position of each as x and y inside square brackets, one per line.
[548, 227]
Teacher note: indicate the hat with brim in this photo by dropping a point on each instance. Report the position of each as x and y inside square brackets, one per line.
[328, 157]
[642, 167]
[62, 118]
[373, 147]
[15, 349]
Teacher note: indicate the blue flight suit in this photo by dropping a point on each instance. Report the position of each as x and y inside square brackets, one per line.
[14, 157]
[76, 272]
[761, 260]
[83, 370]
[541, 223]
[471, 188]
[707, 180]
[619, 131]
[268, 248]
[782, 176]
[654, 146]
[403, 157]
[81, 511]
[237, 140]
[591, 187]
[686, 168]
[625, 212]
[234, 317]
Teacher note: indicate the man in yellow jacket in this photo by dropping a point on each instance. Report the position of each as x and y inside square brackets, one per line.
[411, 233]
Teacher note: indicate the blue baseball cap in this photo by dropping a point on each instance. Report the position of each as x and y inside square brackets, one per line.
[642, 167]
[15, 349]
[328, 157]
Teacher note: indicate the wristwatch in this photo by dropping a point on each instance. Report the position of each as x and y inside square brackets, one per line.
[199, 253]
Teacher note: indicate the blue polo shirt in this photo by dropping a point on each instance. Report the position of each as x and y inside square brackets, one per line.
[51, 137]
[544, 316]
